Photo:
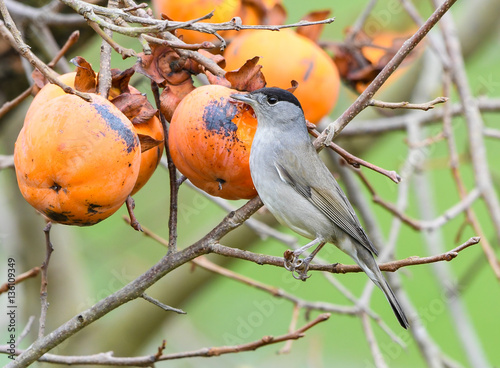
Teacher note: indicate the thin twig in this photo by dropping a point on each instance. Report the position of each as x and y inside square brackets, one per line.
[130, 204]
[24, 50]
[44, 273]
[475, 123]
[389, 124]
[293, 325]
[104, 83]
[123, 51]
[25, 331]
[429, 225]
[172, 171]
[491, 133]
[360, 22]
[161, 305]
[338, 268]
[406, 105]
[20, 278]
[43, 15]
[356, 161]
[179, 44]
[9, 105]
[378, 358]
[488, 251]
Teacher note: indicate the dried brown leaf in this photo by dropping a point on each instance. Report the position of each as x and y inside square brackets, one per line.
[135, 107]
[120, 81]
[39, 80]
[268, 12]
[215, 79]
[172, 96]
[147, 142]
[86, 79]
[247, 78]
[294, 86]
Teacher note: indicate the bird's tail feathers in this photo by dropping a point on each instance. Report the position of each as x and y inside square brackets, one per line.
[370, 267]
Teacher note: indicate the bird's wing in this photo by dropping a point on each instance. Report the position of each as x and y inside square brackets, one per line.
[329, 198]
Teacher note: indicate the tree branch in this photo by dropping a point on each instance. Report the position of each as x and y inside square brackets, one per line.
[135, 288]
[363, 100]
[148, 360]
[393, 266]
[406, 105]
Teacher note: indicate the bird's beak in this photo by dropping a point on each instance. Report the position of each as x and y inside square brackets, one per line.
[243, 98]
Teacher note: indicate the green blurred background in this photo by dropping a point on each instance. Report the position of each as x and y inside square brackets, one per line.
[90, 263]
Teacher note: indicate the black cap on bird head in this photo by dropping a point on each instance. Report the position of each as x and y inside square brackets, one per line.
[278, 94]
[272, 95]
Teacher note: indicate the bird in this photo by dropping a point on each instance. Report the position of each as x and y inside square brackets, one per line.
[301, 192]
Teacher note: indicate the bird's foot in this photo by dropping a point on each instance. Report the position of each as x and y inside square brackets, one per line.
[298, 267]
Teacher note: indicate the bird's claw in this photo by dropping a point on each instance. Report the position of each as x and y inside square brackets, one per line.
[296, 266]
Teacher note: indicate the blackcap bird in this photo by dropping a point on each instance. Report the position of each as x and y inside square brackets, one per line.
[299, 190]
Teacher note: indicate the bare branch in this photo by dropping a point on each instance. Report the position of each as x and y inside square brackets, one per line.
[25, 331]
[475, 123]
[43, 288]
[6, 161]
[9, 105]
[137, 287]
[378, 126]
[42, 15]
[172, 176]
[353, 160]
[406, 105]
[144, 361]
[161, 305]
[372, 342]
[393, 266]
[24, 50]
[362, 101]
[491, 133]
[20, 278]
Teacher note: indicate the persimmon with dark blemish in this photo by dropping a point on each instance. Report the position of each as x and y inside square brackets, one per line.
[210, 139]
[151, 127]
[76, 161]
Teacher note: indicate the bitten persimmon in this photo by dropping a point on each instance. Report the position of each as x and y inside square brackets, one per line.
[77, 161]
[210, 139]
[287, 56]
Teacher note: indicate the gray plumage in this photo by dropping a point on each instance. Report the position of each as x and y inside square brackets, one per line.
[300, 191]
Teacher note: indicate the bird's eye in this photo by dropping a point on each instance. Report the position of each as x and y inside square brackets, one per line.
[272, 100]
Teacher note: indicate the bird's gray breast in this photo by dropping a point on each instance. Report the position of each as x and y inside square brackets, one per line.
[288, 206]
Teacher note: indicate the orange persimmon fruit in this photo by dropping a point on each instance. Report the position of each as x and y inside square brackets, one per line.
[210, 139]
[152, 128]
[224, 11]
[287, 56]
[76, 161]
